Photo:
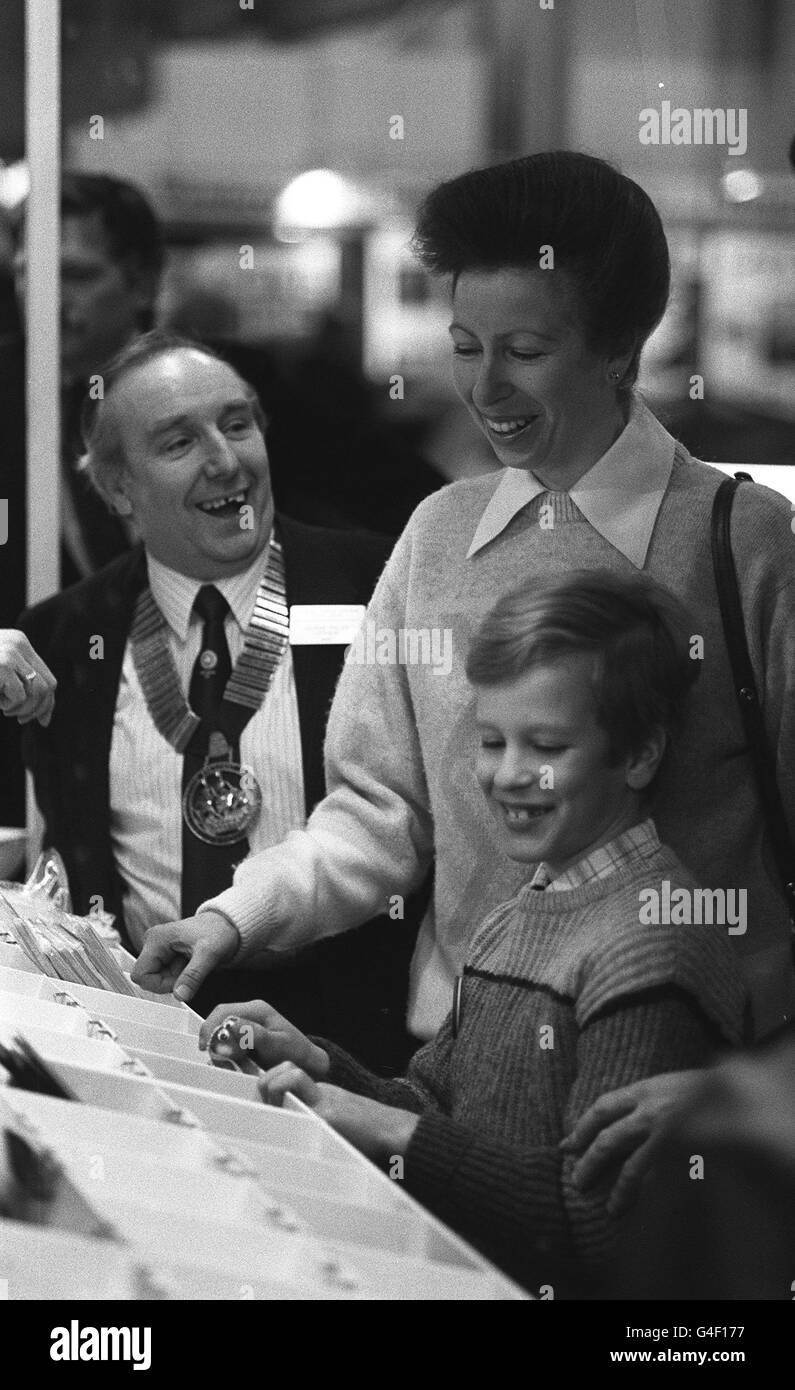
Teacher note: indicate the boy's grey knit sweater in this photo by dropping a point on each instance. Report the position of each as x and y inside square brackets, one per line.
[566, 996]
[402, 742]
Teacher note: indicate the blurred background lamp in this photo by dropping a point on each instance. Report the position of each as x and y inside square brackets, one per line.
[741, 185]
[14, 184]
[320, 201]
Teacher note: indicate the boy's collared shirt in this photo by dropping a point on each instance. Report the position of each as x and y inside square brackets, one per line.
[637, 842]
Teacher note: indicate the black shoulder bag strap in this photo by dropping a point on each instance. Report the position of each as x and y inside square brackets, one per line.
[746, 691]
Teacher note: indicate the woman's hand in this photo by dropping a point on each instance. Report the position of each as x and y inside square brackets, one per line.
[620, 1132]
[265, 1037]
[178, 956]
[27, 685]
[381, 1132]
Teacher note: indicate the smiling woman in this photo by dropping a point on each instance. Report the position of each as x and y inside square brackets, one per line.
[549, 213]
[537, 390]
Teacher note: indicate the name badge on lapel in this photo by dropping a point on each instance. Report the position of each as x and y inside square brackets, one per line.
[324, 624]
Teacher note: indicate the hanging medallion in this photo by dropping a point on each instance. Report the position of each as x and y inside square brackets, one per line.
[223, 800]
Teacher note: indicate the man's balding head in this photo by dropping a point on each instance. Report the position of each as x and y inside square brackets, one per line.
[176, 442]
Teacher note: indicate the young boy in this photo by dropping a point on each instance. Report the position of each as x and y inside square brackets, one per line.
[567, 990]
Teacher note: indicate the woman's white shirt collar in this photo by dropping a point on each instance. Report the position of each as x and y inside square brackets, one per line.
[619, 496]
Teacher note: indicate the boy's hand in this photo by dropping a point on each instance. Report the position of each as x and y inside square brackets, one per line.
[179, 956]
[620, 1131]
[381, 1132]
[264, 1036]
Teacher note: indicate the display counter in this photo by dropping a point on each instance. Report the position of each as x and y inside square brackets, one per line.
[165, 1177]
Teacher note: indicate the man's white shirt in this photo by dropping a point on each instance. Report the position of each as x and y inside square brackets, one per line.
[146, 772]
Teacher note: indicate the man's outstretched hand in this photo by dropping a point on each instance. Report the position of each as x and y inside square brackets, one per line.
[27, 685]
[178, 956]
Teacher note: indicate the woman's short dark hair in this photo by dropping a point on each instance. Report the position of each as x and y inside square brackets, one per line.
[636, 630]
[604, 231]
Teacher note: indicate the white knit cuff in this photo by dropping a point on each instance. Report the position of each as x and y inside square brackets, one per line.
[254, 917]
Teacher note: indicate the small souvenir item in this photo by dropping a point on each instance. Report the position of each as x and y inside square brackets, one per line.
[225, 1048]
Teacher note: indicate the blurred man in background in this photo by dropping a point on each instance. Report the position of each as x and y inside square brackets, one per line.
[111, 260]
[112, 252]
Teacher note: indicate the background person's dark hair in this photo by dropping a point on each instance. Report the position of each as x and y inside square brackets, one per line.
[605, 232]
[103, 460]
[133, 233]
[636, 630]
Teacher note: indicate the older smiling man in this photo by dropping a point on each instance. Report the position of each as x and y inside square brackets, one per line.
[188, 730]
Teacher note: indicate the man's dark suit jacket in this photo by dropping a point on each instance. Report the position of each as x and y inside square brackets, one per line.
[346, 988]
